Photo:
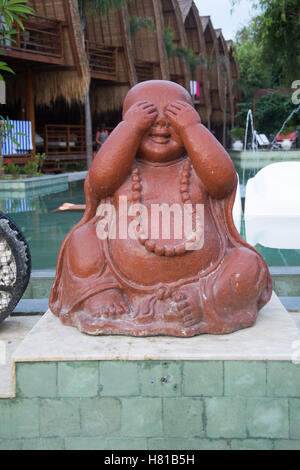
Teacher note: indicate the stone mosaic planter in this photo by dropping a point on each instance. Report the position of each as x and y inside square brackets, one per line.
[37, 186]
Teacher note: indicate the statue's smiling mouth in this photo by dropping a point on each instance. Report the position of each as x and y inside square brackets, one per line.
[160, 137]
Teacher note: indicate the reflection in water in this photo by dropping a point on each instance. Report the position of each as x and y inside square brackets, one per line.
[31, 204]
[44, 229]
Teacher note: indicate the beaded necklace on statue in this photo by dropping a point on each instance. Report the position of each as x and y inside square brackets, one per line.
[137, 187]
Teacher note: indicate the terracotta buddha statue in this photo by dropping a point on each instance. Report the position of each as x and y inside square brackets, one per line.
[152, 284]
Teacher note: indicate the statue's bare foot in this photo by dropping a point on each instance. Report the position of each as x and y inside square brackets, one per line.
[184, 307]
[109, 304]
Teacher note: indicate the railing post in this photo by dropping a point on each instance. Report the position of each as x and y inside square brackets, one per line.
[61, 41]
[30, 110]
[68, 138]
[46, 139]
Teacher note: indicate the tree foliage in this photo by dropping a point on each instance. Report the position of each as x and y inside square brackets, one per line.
[270, 112]
[276, 37]
[12, 12]
[191, 59]
[141, 22]
[168, 37]
[254, 73]
[100, 6]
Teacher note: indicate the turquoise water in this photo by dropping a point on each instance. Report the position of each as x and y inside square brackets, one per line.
[45, 230]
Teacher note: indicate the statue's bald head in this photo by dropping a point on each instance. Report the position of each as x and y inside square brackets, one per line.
[156, 90]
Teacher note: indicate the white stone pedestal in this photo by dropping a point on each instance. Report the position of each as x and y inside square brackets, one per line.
[271, 339]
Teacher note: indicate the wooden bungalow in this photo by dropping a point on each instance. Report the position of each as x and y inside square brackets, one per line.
[150, 55]
[196, 42]
[235, 74]
[51, 65]
[226, 79]
[110, 56]
[215, 76]
[173, 25]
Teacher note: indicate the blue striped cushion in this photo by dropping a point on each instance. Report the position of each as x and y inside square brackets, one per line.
[24, 141]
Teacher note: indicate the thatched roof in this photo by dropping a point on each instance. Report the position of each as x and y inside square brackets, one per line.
[229, 43]
[107, 98]
[185, 6]
[204, 20]
[71, 85]
[218, 32]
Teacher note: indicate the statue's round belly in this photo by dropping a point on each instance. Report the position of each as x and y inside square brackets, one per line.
[134, 262]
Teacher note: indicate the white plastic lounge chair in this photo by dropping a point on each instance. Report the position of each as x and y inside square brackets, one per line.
[262, 140]
[272, 206]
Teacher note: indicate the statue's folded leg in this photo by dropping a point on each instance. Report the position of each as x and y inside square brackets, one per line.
[85, 272]
[233, 295]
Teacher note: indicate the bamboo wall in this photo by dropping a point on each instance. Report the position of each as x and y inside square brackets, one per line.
[49, 8]
[235, 74]
[213, 63]
[145, 44]
[196, 42]
[173, 20]
[107, 30]
[225, 76]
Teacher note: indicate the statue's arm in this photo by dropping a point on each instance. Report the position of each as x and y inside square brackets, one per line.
[210, 160]
[112, 163]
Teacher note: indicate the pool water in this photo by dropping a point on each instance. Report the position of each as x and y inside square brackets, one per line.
[45, 229]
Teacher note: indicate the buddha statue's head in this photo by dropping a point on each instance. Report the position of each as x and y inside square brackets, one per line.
[160, 143]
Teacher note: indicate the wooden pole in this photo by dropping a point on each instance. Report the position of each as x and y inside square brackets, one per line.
[225, 107]
[30, 112]
[163, 57]
[126, 39]
[88, 130]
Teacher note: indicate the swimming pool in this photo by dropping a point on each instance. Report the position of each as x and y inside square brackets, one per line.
[45, 229]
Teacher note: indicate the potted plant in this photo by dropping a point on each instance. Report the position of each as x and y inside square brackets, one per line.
[237, 135]
[12, 169]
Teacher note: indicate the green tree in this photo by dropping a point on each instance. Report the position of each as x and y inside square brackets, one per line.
[254, 73]
[12, 12]
[270, 112]
[277, 31]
